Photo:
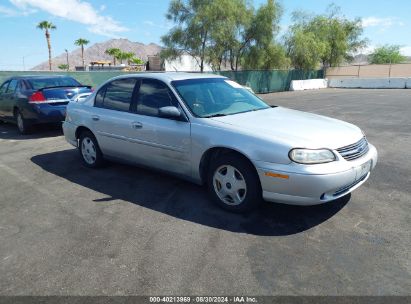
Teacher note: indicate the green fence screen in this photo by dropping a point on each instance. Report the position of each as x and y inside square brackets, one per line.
[270, 81]
[259, 81]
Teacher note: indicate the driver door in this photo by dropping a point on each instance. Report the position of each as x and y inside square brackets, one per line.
[163, 143]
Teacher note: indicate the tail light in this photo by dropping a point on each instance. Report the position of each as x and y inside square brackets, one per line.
[37, 97]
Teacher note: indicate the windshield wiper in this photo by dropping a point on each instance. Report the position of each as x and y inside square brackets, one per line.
[215, 115]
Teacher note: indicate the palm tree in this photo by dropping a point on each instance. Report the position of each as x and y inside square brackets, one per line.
[46, 26]
[121, 56]
[128, 56]
[82, 42]
[113, 52]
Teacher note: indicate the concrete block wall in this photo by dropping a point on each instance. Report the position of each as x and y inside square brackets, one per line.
[370, 83]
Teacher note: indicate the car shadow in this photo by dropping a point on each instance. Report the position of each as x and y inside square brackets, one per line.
[10, 131]
[181, 199]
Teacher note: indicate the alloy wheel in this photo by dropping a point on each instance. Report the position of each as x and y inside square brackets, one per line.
[229, 185]
[88, 150]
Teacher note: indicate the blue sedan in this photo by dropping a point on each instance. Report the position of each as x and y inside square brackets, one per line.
[30, 100]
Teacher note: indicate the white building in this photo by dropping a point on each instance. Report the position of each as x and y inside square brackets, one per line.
[185, 63]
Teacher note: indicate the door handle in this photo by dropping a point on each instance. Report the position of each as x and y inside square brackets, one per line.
[95, 117]
[136, 125]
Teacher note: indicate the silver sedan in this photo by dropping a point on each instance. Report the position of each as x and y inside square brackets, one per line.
[212, 131]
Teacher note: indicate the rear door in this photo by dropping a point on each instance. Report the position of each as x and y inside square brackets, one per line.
[3, 90]
[162, 143]
[112, 120]
[9, 100]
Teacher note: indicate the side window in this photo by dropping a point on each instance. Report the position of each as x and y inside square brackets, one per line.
[153, 95]
[12, 86]
[22, 86]
[3, 88]
[98, 102]
[118, 94]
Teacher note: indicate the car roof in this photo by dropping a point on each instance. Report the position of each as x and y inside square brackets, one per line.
[39, 76]
[170, 76]
[28, 77]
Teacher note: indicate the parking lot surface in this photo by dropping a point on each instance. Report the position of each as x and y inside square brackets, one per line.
[122, 230]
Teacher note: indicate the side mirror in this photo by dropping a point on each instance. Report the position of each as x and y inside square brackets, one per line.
[169, 112]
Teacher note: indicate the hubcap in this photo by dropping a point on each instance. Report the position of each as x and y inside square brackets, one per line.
[20, 124]
[229, 185]
[88, 150]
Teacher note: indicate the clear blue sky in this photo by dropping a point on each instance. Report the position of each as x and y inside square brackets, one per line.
[144, 21]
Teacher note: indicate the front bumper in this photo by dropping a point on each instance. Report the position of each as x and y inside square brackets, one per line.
[296, 184]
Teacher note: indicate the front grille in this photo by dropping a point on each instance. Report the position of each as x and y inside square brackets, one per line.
[354, 151]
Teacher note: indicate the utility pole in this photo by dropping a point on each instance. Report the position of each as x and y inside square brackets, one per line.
[67, 60]
[24, 59]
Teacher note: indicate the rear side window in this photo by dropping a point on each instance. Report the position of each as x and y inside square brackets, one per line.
[152, 96]
[100, 97]
[12, 86]
[117, 95]
[22, 86]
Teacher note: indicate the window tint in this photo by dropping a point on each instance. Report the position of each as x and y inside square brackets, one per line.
[22, 85]
[12, 86]
[153, 95]
[100, 97]
[3, 88]
[118, 94]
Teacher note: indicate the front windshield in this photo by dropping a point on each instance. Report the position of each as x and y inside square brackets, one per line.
[208, 97]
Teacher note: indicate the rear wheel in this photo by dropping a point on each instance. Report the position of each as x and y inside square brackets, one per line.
[90, 151]
[234, 184]
[22, 124]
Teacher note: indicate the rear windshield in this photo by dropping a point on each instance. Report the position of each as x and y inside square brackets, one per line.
[40, 83]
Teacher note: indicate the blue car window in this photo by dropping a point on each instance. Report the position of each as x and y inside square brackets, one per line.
[12, 86]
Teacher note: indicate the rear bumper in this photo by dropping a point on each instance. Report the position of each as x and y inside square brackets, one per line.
[299, 188]
[69, 131]
[44, 113]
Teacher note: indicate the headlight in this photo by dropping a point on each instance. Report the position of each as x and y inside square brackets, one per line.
[307, 156]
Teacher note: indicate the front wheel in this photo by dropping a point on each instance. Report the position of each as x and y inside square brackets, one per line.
[234, 184]
[89, 150]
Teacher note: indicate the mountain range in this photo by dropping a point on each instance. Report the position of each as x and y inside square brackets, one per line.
[96, 52]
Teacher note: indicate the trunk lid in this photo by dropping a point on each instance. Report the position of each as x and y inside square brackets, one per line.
[64, 95]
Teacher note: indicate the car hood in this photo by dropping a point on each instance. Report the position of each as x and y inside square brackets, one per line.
[294, 128]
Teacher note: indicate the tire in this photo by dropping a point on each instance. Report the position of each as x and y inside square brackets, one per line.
[89, 149]
[22, 124]
[233, 183]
